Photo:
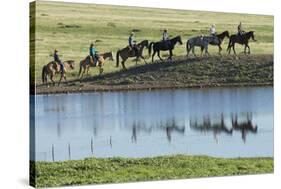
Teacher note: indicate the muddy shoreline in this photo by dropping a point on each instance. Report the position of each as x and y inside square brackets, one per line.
[146, 88]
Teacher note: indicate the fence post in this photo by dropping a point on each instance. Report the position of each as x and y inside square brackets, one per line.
[92, 146]
[69, 152]
[53, 152]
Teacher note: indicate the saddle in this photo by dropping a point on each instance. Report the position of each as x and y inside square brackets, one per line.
[132, 51]
[166, 43]
[55, 65]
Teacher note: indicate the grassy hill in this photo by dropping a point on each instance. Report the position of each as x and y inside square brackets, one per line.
[71, 27]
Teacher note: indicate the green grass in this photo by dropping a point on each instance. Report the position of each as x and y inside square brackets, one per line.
[116, 170]
[71, 27]
[253, 70]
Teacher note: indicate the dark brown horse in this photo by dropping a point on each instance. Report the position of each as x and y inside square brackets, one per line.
[127, 52]
[164, 46]
[53, 68]
[242, 40]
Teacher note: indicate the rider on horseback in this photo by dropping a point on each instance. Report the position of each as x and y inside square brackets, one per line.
[93, 53]
[56, 59]
[132, 44]
[165, 38]
[213, 30]
[240, 31]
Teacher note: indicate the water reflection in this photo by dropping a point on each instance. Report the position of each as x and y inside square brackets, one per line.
[244, 126]
[141, 124]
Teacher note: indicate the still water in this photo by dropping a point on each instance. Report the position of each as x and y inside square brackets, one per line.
[221, 122]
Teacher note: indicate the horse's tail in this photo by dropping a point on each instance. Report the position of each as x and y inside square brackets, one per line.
[117, 58]
[229, 44]
[187, 46]
[44, 72]
[150, 47]
[80, 68]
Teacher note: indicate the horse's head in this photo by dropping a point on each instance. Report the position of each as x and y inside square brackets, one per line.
[111, 56]
[251, 35]
[71, 64]
[179, 40]
[144, 43]
[227, 34]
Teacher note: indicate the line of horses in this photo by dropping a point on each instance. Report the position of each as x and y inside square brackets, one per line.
[53, 68]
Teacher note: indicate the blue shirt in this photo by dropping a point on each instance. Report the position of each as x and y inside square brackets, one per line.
[92, 51]
[56, 57]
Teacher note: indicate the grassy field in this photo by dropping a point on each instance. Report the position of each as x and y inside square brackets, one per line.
[210, 72]
[108, 170]
[71, 27]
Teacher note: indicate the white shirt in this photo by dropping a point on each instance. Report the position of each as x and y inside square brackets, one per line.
[213, 30]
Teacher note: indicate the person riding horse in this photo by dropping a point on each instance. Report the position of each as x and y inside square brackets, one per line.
[57, 59]
[213, 30]
[240, 31]
[165, 38]
[93, 54]
[133, 45]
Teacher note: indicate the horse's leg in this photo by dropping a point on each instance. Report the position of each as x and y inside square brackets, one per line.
[87, 72]
[100, 69]
[51, 78]
[154, 52]
[233, 48]
[206, 51]
[61, 76]
[245, 49]
[158, 54]
[249, 50]
[202, 49]
[83, 72]
[171, 54]
[123, 63]
[143, 59]
[193, 51]
[220, 49]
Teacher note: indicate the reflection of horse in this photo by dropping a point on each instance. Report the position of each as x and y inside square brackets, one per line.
[53, 68]
[207, 126]
[127, 52]
[242, 40]
[164, 46]
[245, 126]
[88, 62]
[202, 42]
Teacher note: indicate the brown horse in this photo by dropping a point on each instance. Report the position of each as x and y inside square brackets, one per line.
[53, 68]
[127, 52]
[88, 62]
[242, 40]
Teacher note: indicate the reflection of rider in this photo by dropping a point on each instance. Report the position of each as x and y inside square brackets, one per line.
[93, 53]
[165, 38]
[56, 59]
[132, 43]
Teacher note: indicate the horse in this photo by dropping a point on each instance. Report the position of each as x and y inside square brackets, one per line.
[127, 52]
[88, 62]
[53, 68]
[202, 42]
[221, 37]
[164, 46]
[242, 40]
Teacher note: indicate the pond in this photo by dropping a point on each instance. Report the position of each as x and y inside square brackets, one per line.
[219, 122]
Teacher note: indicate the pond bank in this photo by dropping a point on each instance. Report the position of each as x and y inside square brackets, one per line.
[117, 170]
[226, 71]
